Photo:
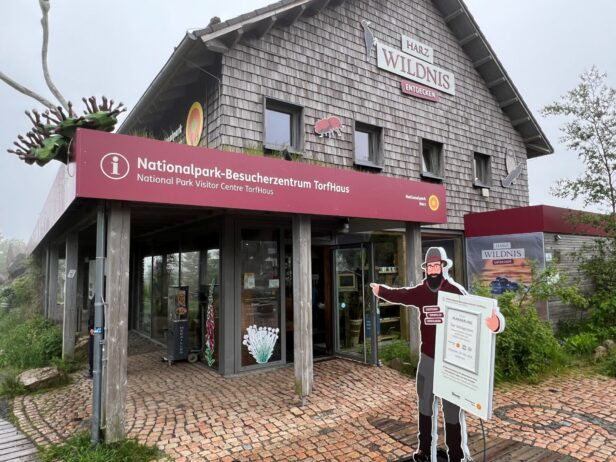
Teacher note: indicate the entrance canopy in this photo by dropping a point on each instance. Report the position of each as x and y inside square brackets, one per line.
[127, 168]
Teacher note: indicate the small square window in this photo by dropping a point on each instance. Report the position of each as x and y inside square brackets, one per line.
[432, 160]
[282, 126]
[368, 150]
[482, 170]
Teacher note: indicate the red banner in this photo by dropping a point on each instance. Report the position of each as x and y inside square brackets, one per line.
[127, 168]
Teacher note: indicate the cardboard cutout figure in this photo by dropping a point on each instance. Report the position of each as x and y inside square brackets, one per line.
[425, 298]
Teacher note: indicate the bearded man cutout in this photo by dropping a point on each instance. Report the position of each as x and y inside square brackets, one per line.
[424, 297]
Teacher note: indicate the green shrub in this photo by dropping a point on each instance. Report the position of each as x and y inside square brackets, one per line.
[608, 365]
[603, 310]
[79, 449]
[399, 350]
[25, 291]
[582, 344]
[28, 343]
[527, 348]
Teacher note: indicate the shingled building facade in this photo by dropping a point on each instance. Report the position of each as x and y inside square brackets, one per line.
[329, 143]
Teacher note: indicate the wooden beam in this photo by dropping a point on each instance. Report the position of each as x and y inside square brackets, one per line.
[302, 306]
[536, 147]
[293, 15]
[217, 45]
[116, 320]
[236, 36]
[508, 102]
[468, 38]
[451, 16]
[520, 121]
[69, 323]
[414, 276]
[496, 82]
[532, 138]
[316, 7]
[482, 61]
[264, 26]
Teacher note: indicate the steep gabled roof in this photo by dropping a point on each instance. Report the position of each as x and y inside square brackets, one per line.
[220, 38]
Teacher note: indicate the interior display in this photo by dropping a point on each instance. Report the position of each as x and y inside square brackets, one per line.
[177, 338]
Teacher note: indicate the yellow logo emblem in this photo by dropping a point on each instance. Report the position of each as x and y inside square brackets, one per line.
[434, 203]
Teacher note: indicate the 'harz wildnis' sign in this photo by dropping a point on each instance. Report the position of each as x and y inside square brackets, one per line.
[415, 69]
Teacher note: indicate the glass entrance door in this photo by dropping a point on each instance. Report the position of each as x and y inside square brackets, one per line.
[353, 302]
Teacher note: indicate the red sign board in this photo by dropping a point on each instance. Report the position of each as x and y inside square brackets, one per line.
[419, 91]
[120, 167]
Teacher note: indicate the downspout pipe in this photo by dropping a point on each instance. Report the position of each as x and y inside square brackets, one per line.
[99, 306]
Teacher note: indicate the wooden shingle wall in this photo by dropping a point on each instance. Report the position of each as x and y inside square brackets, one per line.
[562, 251]
[320, 63]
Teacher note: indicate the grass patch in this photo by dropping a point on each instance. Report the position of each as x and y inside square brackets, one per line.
[79, 449]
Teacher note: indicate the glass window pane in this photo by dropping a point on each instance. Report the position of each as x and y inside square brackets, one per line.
[277, 128]
[190, 279]
[260, 296]
[159, 304]
[482, 168]
[431, 158]
[362, 145]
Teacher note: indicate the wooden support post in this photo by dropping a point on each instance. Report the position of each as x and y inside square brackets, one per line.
[45, 266]
[302, 306]
[414, 276]
[116, 322]
[227, 356]
[52, 284]
[69, 322]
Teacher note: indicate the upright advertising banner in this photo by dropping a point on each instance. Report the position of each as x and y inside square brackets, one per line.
[464, 353]
[504, 262]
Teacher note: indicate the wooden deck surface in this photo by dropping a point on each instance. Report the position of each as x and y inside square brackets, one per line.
[14, 446]
[497, 450]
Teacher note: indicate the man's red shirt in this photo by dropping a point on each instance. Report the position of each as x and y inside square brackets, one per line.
[420, 296]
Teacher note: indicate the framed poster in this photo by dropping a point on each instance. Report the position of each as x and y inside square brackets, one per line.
[347, 282]
[464, 353]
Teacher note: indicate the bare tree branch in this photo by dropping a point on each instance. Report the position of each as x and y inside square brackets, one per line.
[20, 88]
[44, 4]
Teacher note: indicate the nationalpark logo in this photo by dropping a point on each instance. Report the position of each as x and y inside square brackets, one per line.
[115, 166]
[434, 203]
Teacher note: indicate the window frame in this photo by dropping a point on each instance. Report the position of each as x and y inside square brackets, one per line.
[375, 145]
[426, 174]
[296, 112]
[478, 182]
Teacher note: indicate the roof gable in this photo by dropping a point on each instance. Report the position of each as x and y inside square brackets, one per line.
[221, 37]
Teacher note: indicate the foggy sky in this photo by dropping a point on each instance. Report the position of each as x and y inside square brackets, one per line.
[117, 47]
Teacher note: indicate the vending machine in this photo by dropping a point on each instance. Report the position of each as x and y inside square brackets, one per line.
[178, 334]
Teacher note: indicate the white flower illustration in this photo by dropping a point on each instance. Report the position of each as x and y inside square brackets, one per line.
[261, 342]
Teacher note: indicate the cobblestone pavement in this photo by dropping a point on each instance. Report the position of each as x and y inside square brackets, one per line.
[192, 413]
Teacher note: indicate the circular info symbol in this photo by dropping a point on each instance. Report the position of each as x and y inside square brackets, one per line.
[114, 166]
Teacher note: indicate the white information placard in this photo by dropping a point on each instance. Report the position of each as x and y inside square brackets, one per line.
[464, 354]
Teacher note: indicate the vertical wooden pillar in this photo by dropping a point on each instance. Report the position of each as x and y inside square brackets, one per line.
[69, 322]
[228, 337]
[414, 276]
[52, 283]
[45, 266]
[116, 322]
[302, 306]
